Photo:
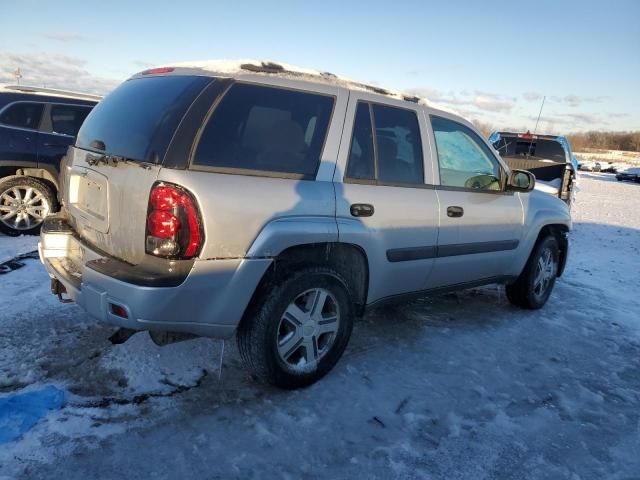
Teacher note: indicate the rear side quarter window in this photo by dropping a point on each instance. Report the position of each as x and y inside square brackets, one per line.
[67, 119]
[266, 129]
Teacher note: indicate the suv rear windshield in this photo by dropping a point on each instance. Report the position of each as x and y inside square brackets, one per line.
[538, 148]
[137, 120]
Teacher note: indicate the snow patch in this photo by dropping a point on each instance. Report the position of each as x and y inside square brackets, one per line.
[152, 369]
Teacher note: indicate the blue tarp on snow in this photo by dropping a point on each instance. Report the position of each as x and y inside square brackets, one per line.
[21, 411]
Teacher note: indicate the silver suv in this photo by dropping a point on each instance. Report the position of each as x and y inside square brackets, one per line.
[279, 204]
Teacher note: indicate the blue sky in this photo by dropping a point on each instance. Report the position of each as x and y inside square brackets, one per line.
[490, 60]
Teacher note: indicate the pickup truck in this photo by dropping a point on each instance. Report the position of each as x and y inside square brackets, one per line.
[548, 157]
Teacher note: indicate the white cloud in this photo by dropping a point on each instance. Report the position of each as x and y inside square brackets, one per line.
[143, 64]
[480, 100]
[618, 115]
[53, 71]
[64, 36]
[532, 96]
[577, 100]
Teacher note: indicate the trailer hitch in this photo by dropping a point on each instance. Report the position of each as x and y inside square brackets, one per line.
[57, 288]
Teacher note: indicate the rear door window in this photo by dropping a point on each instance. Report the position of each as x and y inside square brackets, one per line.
[138, 119]
[398, 145]
[397, 157]
[67, 119]
[266, 129]
[22, 115]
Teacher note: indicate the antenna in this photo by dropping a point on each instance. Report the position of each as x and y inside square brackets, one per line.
[539, 114]
[536, 127]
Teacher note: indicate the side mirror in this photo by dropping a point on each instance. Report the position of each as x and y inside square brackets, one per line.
[521, 181]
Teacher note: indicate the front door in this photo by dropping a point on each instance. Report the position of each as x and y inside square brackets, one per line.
[480, 222]
[383, 202]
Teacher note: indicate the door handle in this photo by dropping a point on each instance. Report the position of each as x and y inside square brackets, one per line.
[361, 210]
[455, 212]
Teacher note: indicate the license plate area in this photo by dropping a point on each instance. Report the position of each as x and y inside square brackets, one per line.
[89, 198]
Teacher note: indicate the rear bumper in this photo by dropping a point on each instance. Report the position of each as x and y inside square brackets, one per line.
[209, 302]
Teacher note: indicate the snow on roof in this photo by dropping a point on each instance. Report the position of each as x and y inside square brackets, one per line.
[269, 67]
[49, 92]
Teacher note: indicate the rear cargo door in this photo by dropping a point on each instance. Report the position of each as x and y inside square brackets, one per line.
[118, 155]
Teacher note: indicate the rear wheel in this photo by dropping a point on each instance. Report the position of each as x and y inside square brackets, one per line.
[534, 285]
[296, 332]
[24, 202]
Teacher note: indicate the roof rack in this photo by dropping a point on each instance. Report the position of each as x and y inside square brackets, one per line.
[53, 91]
[276, 68]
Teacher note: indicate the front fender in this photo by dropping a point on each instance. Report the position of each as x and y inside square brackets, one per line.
[541, 210]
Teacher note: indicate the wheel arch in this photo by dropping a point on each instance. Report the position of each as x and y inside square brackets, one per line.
[348, 260]
[561, 233]
[48, 175]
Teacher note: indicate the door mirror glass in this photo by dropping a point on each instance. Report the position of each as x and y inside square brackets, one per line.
[521, 181]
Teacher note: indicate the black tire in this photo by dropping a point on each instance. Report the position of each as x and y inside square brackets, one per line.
[40, 187]
[258, 332]
[524, 292]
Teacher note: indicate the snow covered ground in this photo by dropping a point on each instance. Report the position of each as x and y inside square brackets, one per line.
[456, 386]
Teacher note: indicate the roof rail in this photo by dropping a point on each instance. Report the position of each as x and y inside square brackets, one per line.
[53, 91]
[276, 68]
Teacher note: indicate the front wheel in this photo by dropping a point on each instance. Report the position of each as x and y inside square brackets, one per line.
[24, 202]
[296, 332]
[534, 285]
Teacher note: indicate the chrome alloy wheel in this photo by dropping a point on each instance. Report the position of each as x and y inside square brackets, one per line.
[308, 328]
[23, 207]
[546, 270]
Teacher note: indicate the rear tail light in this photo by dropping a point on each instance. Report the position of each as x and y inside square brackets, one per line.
[174, 227]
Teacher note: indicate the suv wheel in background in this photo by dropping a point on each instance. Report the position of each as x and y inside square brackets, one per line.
[297, 330]
[24, 202]
[534, 285]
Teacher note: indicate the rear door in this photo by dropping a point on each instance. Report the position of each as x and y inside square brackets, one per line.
[384, 200]
[58, 130]
[480, 224]
[19, 133]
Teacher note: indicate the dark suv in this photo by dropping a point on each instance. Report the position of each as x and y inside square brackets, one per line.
[36, 127]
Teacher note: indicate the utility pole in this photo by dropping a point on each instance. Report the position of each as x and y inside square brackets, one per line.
[18, 75]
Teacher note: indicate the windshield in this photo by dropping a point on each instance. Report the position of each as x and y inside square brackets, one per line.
[137, 120]
[539, 148]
